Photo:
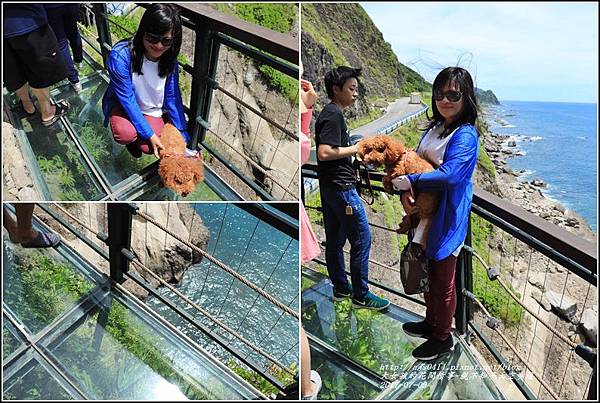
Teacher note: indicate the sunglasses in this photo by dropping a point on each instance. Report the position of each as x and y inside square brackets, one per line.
[452, 96]
[154, 39]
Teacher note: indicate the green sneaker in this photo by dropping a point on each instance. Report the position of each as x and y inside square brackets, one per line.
[371, 301]
[340, 294]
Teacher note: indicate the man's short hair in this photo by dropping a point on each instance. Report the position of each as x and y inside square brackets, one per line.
[338, 77]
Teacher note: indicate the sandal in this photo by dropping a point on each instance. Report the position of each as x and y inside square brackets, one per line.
[25, 111]
[61, 108]
[43, 240]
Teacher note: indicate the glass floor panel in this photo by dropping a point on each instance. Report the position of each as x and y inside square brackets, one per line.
[39, 285]
[372, 339]
[340, 382]
[109, 345]
[34, 382]
[203, 192]
[117, 353]
[10, 342]
[375, 341]
[87, 119]
[56, 160]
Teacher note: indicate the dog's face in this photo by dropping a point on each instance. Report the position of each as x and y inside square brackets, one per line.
[380, 150]
[181, 174]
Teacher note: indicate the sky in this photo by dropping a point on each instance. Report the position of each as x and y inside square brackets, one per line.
[521, 51]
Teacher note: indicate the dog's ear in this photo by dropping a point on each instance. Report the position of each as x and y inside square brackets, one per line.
[394, 151]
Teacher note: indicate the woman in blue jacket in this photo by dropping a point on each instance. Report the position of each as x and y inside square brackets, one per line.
[144, 83]
[450, 144]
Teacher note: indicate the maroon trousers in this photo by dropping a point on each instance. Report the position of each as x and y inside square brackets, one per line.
[124, 132]
[441, 298]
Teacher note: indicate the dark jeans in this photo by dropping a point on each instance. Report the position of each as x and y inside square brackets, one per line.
[441, 299]
[340, 226]
[63, 21]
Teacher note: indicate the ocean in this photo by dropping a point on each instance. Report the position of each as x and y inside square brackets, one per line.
[558, 144]
[265, 256]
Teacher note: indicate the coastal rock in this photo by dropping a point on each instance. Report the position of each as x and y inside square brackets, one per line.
[536, 283]
[589, 326]
[560, 208]
[512, 143]
[507, 151]
[572, 222]
[538, 182]
[541, 299]
[563, 305]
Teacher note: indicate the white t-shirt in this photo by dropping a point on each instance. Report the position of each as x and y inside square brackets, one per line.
[433, 148]
[149, 89]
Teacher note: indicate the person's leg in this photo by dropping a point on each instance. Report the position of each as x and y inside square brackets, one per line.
[56, 19]
[10, 225]
[444, 297]
[72, 32]
[124, 132]
[356, 225]
[25, 229]
[46, 108]
[306, 386]
[23, 94]
[14, 74]
[334, 237]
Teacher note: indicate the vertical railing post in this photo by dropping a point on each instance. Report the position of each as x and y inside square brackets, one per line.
[592, 393]
[104, 39]
[119, 239]
[464, 280]
[206, 58]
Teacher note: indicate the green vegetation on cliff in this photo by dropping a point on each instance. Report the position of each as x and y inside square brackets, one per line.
[335, 34]
[279, 17]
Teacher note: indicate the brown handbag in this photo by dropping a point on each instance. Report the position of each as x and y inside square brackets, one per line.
[414, 269]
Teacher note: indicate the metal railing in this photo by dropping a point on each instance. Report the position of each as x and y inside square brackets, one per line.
[574, 255]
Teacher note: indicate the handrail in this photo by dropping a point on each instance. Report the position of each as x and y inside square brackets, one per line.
[576, 253]
[577, 249]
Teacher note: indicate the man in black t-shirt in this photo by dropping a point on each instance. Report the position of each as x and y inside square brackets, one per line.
[344, 215]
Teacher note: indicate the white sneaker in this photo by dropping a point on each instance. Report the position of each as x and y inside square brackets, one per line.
[315, 378]
[77, 86]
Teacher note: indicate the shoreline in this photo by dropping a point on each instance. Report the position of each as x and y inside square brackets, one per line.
[529, 194]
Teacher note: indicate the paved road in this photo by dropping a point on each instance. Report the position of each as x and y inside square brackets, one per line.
[395, 112]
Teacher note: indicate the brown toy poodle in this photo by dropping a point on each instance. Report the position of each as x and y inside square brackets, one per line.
[177, 171]
[381, 150]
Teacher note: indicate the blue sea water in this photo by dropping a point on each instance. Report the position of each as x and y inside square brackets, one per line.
[265, 256]
[559, 144]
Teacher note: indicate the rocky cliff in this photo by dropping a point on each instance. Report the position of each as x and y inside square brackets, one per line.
[486, 97]
[335, 34]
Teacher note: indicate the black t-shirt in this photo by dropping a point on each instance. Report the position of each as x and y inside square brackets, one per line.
[331, 129]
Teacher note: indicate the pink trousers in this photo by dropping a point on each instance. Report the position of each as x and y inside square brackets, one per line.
[124, 132]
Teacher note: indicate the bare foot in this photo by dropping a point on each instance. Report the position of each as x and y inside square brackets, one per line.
[27, 236]
[11, 228]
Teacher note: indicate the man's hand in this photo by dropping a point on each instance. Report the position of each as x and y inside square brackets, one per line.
[307, 93]
[156, 145]
[408, 203]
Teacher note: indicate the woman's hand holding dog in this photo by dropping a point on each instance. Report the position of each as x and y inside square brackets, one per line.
[156, 145]
[408, 203]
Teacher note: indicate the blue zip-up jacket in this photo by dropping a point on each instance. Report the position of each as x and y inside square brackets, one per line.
[452, 181]
[121, 91]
